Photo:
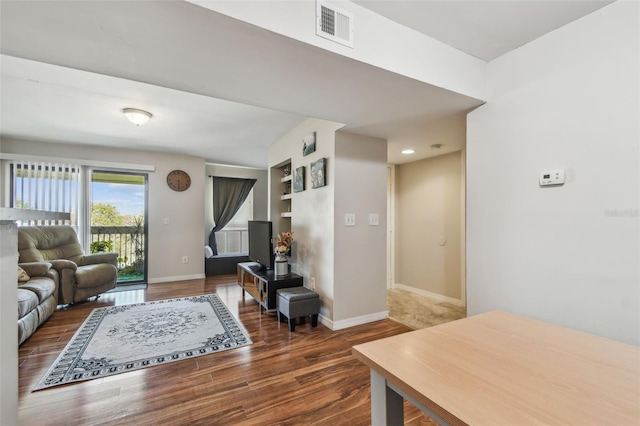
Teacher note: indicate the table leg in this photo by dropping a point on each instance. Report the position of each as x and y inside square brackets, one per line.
[386, 404]
[241, 280]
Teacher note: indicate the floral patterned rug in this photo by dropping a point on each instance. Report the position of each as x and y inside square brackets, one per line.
[124, 338]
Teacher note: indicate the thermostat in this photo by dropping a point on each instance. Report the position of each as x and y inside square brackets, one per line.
[552, 177]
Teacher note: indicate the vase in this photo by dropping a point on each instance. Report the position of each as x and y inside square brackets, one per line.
[281, 264]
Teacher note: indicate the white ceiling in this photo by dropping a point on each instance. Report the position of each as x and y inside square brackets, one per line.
[46, 102]
[485, 29]
[236, 88]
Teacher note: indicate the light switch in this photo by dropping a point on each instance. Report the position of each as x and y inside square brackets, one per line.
[350, 219]
[374, 219]
[166, 220]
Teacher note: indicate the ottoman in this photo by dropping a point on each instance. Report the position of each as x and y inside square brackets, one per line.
[298, 302]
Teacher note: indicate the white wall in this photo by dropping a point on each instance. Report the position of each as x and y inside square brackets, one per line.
[360, 252]
[312, 209]
[568, 255]
[348, 265]
[429, 225]
[8, 327]
[377, 41]
[167, 244]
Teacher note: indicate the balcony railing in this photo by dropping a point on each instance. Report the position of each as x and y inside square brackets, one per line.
[127, 241]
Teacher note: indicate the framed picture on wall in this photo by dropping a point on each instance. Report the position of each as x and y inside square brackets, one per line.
[298, 179]
[318, 173]
[309, 144]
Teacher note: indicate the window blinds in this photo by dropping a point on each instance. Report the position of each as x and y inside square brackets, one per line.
[46, 186]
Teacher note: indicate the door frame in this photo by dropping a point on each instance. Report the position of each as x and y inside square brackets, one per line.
[88, 171]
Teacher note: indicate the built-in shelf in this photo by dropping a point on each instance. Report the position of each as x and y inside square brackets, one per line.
[281, 196]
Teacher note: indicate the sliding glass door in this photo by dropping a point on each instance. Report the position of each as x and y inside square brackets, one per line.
[118, 221]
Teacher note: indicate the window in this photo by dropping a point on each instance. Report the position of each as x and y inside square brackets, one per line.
[43, 186]
[234, 238]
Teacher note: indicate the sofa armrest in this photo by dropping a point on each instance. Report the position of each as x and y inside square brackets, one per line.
[101, 257]
[36, 269]
[60, 264]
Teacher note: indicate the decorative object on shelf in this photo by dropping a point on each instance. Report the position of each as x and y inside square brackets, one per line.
[178, 180]
[298, 179]
[281, 265]
[309, 144]
[284, 242]
[318, 173]
[283, 245]
[286, 170]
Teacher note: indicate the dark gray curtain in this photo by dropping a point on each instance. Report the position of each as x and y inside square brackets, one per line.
[228, 196]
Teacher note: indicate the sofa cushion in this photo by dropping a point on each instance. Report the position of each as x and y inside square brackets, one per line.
[41, 243]
[22, 275]
[27, 302]
[42, 287]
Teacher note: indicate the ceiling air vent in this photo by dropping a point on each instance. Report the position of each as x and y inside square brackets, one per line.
[334, 24]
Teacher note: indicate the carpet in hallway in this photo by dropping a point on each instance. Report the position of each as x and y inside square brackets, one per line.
[418, 311]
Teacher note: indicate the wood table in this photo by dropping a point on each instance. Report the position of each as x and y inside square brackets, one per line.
[499, 368]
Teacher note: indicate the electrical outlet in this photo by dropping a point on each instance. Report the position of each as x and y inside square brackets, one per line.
[312, 283]
[374, 219]
[185, 259]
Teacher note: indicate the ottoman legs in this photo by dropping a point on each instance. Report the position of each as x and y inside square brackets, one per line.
[292, 321]
[298, 302]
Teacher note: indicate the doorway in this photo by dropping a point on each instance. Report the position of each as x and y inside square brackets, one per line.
[118, 220]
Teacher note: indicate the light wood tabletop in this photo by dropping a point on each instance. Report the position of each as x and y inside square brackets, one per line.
[499, 368]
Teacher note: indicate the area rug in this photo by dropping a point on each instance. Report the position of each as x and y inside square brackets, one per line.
[124, 338]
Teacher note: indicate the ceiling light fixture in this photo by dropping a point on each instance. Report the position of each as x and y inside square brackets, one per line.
[137, 116]
[408, 151]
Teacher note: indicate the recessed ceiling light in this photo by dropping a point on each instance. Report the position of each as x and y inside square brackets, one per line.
[137, 116]
[408, 151]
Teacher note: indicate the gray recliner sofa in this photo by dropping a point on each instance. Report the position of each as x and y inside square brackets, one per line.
[81, 276]
[37, 296]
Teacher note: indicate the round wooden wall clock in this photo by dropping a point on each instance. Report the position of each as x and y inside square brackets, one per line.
[179, 180]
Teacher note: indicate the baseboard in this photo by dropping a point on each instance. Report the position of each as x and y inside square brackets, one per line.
[351, 322]
[425, 293]
[177, 278]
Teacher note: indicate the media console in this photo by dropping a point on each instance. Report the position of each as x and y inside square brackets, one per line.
[262, 284]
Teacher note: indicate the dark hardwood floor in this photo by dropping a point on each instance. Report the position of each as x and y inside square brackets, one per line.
[307, 377]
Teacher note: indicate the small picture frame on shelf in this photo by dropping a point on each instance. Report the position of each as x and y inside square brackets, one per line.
[318, 173]
[309, 144]
[298, 179]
